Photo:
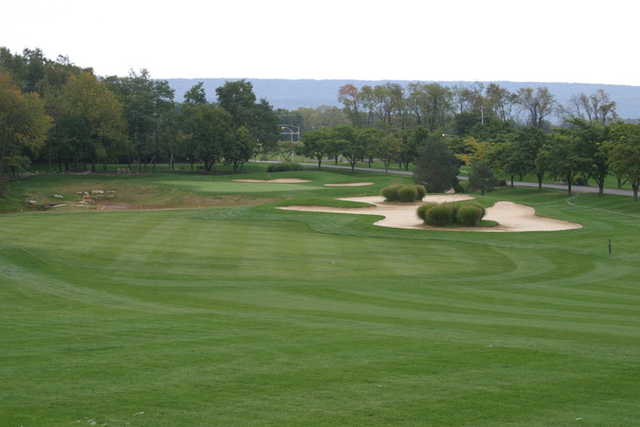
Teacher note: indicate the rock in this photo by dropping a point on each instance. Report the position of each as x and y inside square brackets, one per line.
[59, 205]
[32, 202]
[58, 196]
[95, 192]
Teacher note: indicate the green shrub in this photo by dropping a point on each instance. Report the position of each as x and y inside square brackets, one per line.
[469, 215]
[403, 193]
[390, 192]
[284, 167]
[439, 215]
[454, 210]
[407, 193]
[422, 210]
[459, 188]
[477, 205]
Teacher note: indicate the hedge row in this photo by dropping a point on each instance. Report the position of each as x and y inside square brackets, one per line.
[284, 167]
[404, 193]
[451, 214]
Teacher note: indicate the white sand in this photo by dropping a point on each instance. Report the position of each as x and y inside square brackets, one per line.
[275, 181]
[350, 184]
[511, 217]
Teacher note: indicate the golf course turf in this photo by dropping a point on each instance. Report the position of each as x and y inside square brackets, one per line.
[239, 313]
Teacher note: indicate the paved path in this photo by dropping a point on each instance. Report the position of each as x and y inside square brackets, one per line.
[575, 188]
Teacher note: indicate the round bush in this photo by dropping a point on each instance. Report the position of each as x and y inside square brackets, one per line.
[477, 205]
[422, 211]
[439, 215]
[420, 192]
[390, 192]
[407, 193]
[469, 215]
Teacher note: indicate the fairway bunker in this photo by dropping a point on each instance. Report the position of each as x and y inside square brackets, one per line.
[511, 217]
[350, 184]
[274, 181]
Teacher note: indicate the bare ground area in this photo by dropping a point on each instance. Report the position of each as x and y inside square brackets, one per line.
[511, 217]
[110, 197]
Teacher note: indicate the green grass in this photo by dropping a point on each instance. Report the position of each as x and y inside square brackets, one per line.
[248, 315]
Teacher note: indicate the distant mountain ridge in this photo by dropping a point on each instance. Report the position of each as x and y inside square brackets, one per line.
[292, 94]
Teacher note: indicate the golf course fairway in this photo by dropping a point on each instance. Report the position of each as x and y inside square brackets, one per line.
[239, 313]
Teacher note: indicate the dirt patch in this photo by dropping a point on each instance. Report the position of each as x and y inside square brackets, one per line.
[275, 181]
[511, 217]
[115, 206]
[350, 184]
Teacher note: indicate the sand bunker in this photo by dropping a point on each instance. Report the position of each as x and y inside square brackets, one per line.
[275, 181]
[350, 184]
[511, 217]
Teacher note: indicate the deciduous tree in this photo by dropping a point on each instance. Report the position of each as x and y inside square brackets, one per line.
[23, 125]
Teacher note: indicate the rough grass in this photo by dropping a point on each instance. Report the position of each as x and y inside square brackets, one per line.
[248, 315]
[169, 191]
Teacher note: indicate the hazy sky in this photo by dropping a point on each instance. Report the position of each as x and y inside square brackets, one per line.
[517, 40]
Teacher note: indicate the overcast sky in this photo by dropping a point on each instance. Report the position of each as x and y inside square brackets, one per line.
[516, 40]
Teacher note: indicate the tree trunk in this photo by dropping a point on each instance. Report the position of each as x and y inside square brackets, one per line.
[569, 183]
[512, 181]
[635, 192]
[601, 186]
[540, 178]
[319, 162]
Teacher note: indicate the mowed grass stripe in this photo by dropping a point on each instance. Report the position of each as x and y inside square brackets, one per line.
[248, 315]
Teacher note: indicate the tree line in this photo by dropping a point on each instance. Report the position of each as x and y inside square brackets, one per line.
[489, 129]
[52, 111]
